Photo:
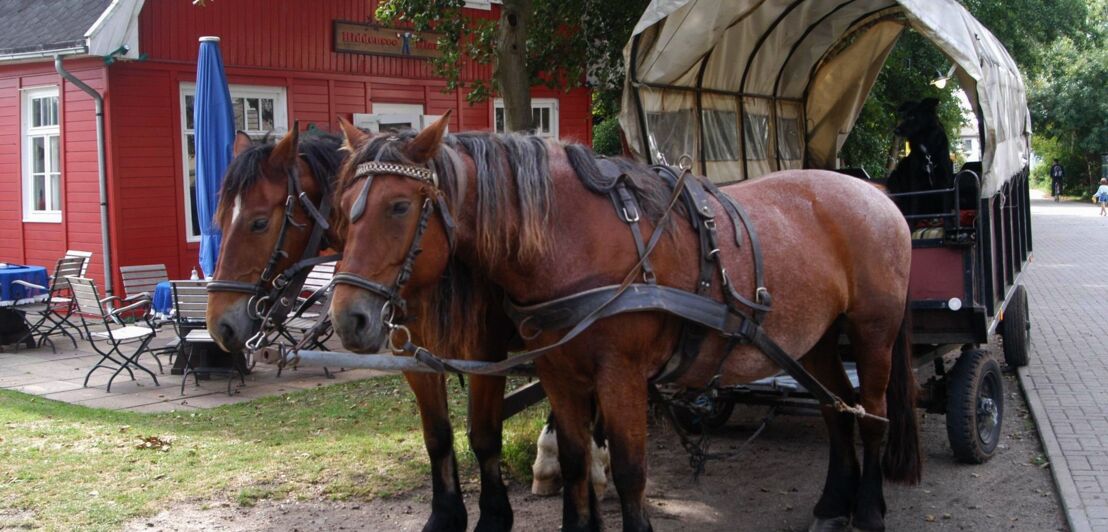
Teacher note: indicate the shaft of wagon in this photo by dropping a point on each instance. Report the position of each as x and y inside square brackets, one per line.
[392, 363]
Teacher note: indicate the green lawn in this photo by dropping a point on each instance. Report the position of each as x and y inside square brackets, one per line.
[70, 467]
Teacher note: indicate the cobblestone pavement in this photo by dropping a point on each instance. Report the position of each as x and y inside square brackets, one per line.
[1067, 380]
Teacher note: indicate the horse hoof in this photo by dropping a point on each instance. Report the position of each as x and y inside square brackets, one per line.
[494, 524]
[546, 487]
[547, 472]
[830, 524]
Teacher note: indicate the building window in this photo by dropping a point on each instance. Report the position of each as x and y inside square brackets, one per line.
[544, 116]
[42, 163]
[260, 112]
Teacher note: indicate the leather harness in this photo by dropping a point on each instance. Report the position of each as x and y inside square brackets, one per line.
[738, 319]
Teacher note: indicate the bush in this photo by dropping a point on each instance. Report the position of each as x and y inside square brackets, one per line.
[605, 137]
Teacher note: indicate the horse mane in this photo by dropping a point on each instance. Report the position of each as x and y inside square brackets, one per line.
[320, 151]
[514, 201]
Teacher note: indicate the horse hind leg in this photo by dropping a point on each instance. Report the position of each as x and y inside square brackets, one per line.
[448, 511]
[486, 407]
[836, 503]
[872, 339]
[546, 472]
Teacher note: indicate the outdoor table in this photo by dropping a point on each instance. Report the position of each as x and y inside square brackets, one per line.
[16, 294]
[162, 301]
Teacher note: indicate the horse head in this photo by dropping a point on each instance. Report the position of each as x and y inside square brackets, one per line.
[389, 191]
[266, 226]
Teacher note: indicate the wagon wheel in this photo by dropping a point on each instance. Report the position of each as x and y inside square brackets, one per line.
[975, 407]
[719, 409]
[1016, 329]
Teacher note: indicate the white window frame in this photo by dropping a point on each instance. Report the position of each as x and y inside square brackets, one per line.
[30, 214]
[280, 126]
[536, 103]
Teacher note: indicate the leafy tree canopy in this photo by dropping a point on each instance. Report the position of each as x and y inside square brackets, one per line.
[569, 42]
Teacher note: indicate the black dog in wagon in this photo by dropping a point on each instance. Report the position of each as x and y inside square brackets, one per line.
[927, 166]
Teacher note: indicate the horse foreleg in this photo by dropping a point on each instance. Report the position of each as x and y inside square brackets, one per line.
[448, 511]
[486, 406]
[623, 407]
[832, 512]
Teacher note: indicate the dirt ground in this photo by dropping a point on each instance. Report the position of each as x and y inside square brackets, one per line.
[772, 485]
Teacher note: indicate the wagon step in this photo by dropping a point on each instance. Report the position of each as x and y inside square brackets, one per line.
[384, 362]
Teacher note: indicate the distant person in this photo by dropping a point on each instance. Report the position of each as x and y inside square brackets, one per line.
[1101, 196]
[1057, 173]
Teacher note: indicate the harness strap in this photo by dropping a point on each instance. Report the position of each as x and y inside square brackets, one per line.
[628, 211]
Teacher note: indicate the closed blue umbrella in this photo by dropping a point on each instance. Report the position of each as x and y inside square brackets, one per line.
[214, 120]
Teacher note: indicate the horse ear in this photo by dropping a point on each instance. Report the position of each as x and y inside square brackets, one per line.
[353, 138]
[286, 150]
[242, 142]
[426, 144]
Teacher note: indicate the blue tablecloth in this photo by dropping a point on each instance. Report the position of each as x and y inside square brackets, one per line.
[11, 293]
[163, 298]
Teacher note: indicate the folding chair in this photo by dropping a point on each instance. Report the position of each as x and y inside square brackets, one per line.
[190, 307]
[89, 305]
[87, 255]
[312, 305]
[54, 313]
[140, 283]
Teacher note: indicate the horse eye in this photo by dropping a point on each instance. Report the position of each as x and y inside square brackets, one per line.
[259, 225]
[400, 208]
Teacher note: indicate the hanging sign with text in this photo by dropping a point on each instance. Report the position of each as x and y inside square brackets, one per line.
[355, 38]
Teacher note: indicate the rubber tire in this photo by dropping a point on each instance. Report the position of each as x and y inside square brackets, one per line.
[974, 370]
[693, 424]
[1016, 330]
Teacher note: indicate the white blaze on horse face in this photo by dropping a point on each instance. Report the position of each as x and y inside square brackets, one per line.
[238, 209]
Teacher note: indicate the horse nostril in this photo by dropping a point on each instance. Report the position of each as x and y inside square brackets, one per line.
[361, 321]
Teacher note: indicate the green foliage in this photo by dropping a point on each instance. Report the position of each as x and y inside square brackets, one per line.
[911, 67]
[569, 42]
[605, 137]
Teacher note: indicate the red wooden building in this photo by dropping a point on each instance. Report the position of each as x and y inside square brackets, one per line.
[286, 60]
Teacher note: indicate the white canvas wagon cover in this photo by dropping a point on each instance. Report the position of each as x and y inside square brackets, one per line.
[797, 73]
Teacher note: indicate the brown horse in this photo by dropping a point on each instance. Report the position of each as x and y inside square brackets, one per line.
[836, 254]
[252, 207]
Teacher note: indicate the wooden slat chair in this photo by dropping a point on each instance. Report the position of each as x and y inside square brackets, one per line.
[87, 255]
[139, 283]
[314, 300]
[55, 313]
[312, 303]
[109, 342]
[190, 308]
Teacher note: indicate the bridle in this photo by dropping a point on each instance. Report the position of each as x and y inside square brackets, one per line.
[268, 296]
[395, 307]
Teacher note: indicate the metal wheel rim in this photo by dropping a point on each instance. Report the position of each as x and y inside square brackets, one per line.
[988, 410]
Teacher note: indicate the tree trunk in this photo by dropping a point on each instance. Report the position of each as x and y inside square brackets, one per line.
[511, 73]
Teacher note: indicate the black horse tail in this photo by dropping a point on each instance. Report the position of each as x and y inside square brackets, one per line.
[902, 461]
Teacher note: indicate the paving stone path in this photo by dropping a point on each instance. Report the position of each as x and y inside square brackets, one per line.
[1067, 379]
[61, 376]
